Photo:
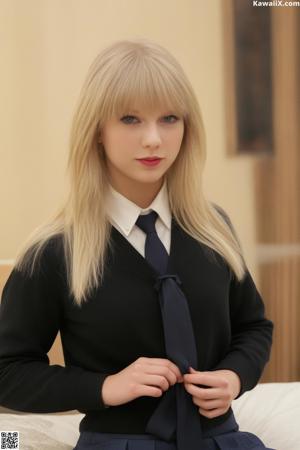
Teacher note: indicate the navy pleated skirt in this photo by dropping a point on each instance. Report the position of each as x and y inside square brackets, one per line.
[238, 440]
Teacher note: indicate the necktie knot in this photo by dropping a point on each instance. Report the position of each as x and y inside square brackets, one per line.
[147, 222]
[161, 278]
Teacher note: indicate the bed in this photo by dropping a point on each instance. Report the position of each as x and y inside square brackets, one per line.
[270, 410]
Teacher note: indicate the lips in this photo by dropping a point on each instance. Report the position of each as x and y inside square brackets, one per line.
[153, 161]
[153, 158]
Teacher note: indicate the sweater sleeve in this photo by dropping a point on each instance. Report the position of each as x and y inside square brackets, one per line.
[251, 334]
[251, 331]
[31, 314]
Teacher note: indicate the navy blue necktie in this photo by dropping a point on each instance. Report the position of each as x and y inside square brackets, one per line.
[176, 415]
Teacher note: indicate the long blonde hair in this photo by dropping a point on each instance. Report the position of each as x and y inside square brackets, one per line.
[135, 71]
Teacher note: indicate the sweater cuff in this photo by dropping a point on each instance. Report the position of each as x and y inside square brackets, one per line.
[89, 391]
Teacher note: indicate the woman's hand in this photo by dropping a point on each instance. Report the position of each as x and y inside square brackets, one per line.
[223, 386]
[148, 377]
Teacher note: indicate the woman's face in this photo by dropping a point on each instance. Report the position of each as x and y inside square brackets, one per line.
[137, 135]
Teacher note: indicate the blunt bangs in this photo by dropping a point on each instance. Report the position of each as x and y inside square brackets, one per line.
[143, 84]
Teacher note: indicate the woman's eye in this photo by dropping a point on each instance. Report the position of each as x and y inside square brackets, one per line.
[125, 119]
[128, 119]
[172, 115]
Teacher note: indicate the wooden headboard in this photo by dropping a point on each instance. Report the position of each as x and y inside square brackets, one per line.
[55, 354]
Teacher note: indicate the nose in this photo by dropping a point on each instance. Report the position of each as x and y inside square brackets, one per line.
[151, 136]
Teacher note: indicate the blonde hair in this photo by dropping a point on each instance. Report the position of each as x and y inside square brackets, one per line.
[126, 73]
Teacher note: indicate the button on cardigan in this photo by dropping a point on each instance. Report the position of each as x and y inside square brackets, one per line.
[120, 323]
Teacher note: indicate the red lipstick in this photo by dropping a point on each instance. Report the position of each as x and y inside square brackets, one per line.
[153, 161]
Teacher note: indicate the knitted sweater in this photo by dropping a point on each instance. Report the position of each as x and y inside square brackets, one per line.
[120, 323]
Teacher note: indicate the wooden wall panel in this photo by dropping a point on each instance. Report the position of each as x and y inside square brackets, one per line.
[277, 181]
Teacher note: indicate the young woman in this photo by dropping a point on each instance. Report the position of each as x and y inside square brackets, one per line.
[161, 323]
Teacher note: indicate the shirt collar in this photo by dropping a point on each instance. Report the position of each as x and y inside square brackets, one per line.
[125, 213]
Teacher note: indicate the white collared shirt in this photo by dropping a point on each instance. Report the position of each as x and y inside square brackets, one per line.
[123, 214]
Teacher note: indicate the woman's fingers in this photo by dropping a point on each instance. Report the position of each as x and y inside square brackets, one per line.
[203, 393]
[167, 367]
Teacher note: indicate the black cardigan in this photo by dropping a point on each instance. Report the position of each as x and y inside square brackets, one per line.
[121, 322]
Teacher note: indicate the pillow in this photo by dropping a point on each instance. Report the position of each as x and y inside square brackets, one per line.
[272, 412]
[43, 431]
